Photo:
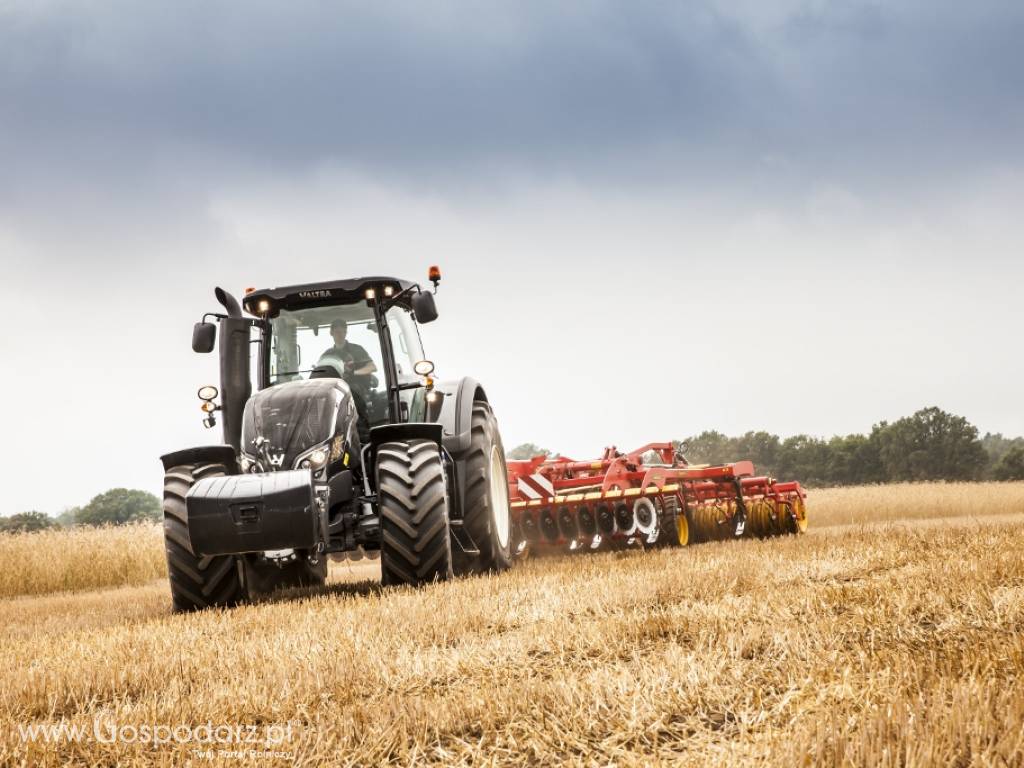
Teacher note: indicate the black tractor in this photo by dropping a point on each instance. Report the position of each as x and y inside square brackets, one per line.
[349, 444]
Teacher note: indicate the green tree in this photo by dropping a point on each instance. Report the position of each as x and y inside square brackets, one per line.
[527, 451]
[853, 460]
[761, 448]
[26, 521]
[1011, 465]
[997, 446]
[709, 447]
[119, 506]
[930, 445]
[804, 458]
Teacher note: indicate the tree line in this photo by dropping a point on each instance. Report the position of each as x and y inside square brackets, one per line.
[114, 507]
[928, 445]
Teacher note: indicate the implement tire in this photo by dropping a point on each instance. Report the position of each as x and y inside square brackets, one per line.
[675, 525]
[412, 495]
[196, 582]
[487, 518]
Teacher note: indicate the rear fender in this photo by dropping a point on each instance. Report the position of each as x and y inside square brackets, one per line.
[455, 412]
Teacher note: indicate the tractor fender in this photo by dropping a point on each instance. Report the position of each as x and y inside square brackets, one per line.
[204, 454]
[387, 433]
[456, 412]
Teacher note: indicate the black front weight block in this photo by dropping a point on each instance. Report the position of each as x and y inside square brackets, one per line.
[252, 513]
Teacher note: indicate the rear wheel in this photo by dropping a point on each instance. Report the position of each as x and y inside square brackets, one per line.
[487, 518]
[413, 500]
[196, 582]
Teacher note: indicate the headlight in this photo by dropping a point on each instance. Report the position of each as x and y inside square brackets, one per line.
[315, 458]
[207, 393]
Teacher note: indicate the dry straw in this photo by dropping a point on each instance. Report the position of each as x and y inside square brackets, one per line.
[876, 644]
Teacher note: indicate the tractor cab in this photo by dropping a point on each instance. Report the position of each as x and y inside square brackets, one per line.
[362, 331]
[328, 352]
[344, 341]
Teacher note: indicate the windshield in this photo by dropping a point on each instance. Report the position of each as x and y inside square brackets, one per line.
[344, 342]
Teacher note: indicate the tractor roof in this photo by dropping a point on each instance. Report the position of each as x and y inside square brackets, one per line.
[319, 294]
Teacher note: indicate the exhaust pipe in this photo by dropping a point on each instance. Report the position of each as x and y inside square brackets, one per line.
[235, 386]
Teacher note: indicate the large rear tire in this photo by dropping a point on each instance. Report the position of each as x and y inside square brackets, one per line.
[412, 495]
[487, 518]
[196, 582]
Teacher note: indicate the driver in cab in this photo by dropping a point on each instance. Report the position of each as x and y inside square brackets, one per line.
[357, 363]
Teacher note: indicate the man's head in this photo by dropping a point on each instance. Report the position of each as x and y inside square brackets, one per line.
[339, 329]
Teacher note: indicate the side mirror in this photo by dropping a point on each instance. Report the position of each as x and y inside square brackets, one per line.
[424, 307]
[203, 335]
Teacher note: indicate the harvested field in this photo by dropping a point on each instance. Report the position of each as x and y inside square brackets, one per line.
[898, 642]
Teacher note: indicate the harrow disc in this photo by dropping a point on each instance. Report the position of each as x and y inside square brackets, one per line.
[625, 520]
[549, 525]
[646, 515]
[531, 532]
[586, 521]
[567, 525]
[605, 520]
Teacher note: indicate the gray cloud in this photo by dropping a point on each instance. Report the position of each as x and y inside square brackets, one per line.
[118, 94]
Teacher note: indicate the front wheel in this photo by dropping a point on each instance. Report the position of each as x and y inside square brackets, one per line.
[412, 496]
[197, 582]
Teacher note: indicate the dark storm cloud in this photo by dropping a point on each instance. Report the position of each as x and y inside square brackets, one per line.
[109, 96]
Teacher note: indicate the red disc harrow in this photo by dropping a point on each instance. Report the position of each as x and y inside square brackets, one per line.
[647, 497]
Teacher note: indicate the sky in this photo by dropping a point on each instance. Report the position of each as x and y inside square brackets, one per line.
[653, 218]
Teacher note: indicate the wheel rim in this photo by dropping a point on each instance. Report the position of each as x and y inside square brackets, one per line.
[499, 498]
[682, 529]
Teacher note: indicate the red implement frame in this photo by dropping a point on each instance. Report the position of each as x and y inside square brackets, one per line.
[649, 496]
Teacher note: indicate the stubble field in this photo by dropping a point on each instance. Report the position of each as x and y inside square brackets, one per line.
[892, 634]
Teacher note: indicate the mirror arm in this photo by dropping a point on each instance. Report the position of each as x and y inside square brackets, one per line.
[263, 325]
[390, 301]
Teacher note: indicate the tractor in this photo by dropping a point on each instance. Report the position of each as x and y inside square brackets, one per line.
[348, 444]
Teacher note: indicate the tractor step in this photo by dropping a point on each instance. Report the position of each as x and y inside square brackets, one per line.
[462, 538]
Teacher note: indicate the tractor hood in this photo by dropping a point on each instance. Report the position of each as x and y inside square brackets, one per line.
[294, 417]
